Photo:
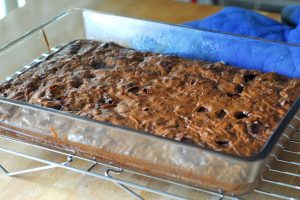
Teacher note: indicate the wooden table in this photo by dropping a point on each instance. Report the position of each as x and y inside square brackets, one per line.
[60, 184]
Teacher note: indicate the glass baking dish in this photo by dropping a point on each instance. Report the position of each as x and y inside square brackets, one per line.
[127, 148]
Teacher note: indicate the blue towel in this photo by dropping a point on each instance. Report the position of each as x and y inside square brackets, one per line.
[265, 57]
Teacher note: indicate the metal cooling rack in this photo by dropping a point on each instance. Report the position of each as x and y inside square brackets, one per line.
[281, 169]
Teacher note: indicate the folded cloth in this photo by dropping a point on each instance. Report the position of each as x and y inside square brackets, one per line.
[263, 56]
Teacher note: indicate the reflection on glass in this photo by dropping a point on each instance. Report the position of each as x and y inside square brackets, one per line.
[2, 9]
[8, 5]
[21, 3]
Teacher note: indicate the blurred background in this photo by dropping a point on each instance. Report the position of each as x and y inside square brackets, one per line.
[264, 5]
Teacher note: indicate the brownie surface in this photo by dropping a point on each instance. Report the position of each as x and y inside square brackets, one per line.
[208, 104]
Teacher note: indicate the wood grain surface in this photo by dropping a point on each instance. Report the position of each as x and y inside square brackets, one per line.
[60, 184]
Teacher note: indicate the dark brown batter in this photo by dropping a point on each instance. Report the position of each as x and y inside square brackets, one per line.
[208, 104]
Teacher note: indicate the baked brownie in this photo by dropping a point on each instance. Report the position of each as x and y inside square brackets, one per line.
[208, 104]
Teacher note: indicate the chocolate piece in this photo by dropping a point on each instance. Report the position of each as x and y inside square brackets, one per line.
[249, 77]
[202, 109]
[207, 104]
[221, 114]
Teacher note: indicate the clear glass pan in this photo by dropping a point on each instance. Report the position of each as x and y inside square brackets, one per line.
[125, 147]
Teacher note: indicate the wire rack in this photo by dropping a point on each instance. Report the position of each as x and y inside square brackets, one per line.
[280, 180]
